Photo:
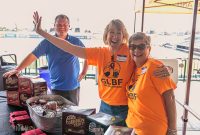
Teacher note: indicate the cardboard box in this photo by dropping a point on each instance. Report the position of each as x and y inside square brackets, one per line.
[23, 96]
[34, 132]
[25, 87]
[39, 86]
[118, 130]
[21, 121]
[24, 84]
[10, 83]
[74, 121]
[13, 98]
[99, 123]
[18, 113]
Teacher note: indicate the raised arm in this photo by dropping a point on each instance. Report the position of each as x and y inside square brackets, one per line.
[60, 43]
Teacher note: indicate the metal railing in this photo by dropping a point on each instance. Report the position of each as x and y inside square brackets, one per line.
[182, 69]
[91, 74]
[42, 62]
[33, 68]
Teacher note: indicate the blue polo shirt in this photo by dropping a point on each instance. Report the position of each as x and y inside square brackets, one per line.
[64, 67]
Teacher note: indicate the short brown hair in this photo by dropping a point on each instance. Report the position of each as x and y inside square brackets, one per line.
[62, 16]
[140, 36]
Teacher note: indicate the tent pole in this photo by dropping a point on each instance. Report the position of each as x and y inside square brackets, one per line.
[143, 8]
[135, 16]
[135, 22]
[187, 95]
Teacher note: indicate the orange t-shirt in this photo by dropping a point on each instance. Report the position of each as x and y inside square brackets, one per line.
[147, 113]
[113, 73]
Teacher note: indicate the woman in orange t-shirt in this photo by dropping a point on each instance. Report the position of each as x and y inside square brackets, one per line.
[151, 100]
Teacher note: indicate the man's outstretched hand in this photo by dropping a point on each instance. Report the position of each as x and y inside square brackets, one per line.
[11, 72]
[37, 22]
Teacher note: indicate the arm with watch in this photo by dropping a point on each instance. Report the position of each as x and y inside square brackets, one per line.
[170, 107]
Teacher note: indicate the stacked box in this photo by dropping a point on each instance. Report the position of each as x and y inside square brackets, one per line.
[21, 121]
[25, 90]
[17, 113]
[19, 89]
[34, 132]
[39, 86]
[99, 123]
[10, 83]
[13, 98]
[74, 122]
[119, 130]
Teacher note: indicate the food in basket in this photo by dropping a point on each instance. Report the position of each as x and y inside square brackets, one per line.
[48, 107]
[48, 116]
[42, 101]
[51, 105]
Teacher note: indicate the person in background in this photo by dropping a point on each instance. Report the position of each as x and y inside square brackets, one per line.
[113, 62]
[151, 101]
[63, 67]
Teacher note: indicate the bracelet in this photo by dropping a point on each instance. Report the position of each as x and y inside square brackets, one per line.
[172, 131]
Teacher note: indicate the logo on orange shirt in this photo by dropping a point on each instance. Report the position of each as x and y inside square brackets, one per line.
[131, 93]
[111, 73]
[112, 70]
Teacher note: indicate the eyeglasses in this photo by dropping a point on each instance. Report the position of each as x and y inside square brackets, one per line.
[140, 47]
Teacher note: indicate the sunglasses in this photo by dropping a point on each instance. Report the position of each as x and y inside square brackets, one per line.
[140, 47]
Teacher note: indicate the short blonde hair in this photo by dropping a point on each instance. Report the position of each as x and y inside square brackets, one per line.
[119, 25]
[140, 36]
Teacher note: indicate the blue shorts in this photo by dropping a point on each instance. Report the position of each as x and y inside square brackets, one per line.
[118, 111]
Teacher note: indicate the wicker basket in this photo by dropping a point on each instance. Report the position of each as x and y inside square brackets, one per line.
[48, 124]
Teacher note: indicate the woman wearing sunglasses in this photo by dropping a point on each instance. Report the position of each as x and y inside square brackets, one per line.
[151, 100]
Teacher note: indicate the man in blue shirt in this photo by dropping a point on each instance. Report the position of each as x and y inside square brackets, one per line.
[63, 67]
